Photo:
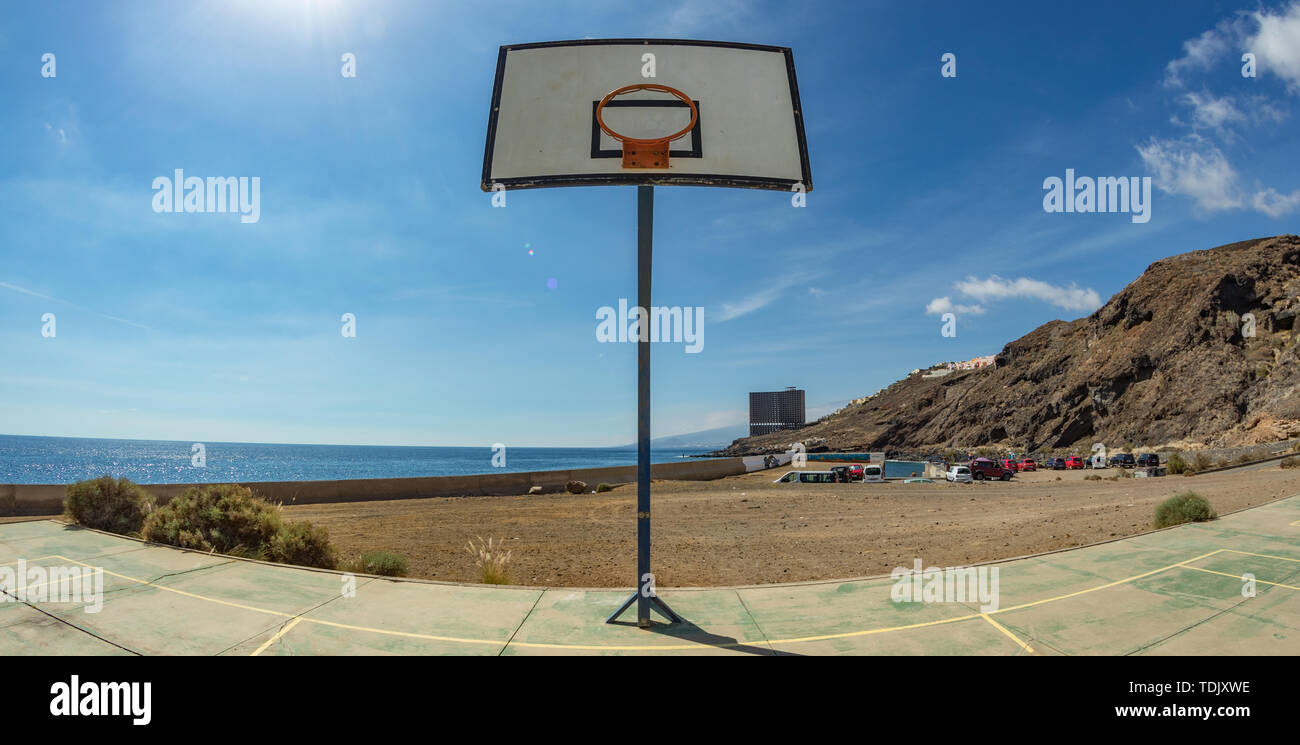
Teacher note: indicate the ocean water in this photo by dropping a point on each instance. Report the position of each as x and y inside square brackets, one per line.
[60, 460]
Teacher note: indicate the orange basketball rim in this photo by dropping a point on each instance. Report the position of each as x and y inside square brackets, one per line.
[641, 152]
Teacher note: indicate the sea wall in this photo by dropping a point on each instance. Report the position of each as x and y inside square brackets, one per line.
[47, 499]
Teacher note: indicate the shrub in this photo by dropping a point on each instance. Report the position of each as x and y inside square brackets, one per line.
[228, 519]
[1092, 477]
[1176, 464]
[304, 544]
[1201, 461]
[1245, 458]
[104, 504]
[1292, 462]
[603, 487]
[383, 563]
[492, 560]
[1181, 508]
[576, 487]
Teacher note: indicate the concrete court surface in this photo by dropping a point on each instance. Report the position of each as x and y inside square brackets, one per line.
[1178, 591]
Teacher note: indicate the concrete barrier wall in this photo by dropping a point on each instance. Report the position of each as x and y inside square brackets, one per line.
[47, 499]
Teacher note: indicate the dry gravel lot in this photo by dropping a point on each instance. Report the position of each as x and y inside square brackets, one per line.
[747, 530]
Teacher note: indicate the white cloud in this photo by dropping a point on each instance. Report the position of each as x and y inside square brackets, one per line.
[1276, 44]
[763, 297]
[1072, 297]
[1200, 53]
[1272, 36]
[1192, 166]
[1273, 204]
[1211, 111]
[941, 305]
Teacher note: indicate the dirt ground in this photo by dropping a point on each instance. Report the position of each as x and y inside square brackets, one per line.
[747, 530]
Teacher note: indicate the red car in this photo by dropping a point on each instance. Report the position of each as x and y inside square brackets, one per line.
[856, 472]
[1073, 462]
[1011, 465]
[983, 468]
[1028, 464]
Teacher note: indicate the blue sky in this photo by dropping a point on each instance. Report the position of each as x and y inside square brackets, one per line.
[928, 196]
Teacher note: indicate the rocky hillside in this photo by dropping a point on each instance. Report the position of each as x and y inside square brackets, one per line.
[1168, 360]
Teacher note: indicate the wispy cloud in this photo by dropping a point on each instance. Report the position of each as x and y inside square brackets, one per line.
[1194, 167]
[994, 288]
[941, 305]
[761, 298]
[50, 298]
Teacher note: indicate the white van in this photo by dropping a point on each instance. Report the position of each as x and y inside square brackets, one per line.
[873, 473]
[806, 477]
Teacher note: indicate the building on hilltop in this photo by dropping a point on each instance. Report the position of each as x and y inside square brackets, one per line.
[972, 364]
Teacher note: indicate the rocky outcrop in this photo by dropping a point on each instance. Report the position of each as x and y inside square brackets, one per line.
[1198, 350]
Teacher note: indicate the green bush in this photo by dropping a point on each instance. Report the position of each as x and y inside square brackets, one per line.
[383, 563]
[104, 504]
[1292, 462]
[1092, 477]
[303, 544]
[1187, 507]
[1176, 464]
[228, 519]
[602, 486]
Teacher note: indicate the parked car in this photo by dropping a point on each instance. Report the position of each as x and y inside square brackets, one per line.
[983, 468]
[1123, 460]
[873, 474]
[1055, 464]
[840, 474]
[959, 474]
[1028, 464]
[1011, 464]
[1074, 462]
[856, 472]
[1147, 460]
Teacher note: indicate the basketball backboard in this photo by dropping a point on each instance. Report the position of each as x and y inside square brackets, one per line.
[543, 128]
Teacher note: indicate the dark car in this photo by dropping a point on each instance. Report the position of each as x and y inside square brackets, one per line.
[1055, 464]
[1123, 460]
[983, 468]
[1147, 460]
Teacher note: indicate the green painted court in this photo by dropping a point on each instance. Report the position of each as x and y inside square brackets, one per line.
[1177, 591]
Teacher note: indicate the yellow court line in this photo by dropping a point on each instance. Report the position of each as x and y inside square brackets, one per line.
[1266, 556]
[648, 647]
[1238, 577]
[1010, 635]
[181, 592]
[1103, 587]
[277, 636]
[1295, 524]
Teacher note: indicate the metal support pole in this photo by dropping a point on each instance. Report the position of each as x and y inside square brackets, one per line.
[644, 597]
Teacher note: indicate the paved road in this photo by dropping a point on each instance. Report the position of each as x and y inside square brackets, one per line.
[1178, 591]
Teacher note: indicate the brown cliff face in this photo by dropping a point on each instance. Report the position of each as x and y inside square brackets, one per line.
[1168, 359]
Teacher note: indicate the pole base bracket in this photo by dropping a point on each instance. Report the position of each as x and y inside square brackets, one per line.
[656, 603]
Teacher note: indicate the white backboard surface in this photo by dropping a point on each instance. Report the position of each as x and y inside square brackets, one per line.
[542, 129]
